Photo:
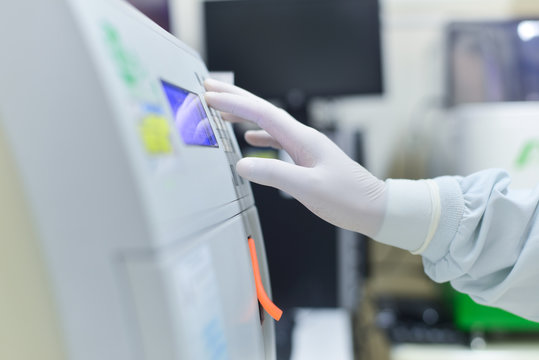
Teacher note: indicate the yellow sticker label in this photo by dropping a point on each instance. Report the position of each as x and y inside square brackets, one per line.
[155, 131]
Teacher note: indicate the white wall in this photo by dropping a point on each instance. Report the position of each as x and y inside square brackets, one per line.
[187, 22]
[399, 124]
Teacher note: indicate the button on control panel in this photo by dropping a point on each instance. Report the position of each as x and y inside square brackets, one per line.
[222, 131]
[224, 136]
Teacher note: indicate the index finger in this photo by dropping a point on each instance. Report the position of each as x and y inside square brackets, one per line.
[219, 86]
[278, 123]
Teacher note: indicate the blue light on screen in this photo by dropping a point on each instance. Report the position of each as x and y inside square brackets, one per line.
[190, 119]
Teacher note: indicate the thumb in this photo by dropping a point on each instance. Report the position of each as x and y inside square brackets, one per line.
[275, 173]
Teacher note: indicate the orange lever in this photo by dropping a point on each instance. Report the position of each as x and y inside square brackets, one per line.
[267, 304]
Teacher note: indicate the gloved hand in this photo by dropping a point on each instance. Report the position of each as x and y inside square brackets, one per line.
[323, 178]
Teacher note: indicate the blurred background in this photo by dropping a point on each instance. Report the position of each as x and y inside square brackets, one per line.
[410, 89]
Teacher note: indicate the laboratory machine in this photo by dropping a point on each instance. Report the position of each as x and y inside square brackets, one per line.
[125, 232]
[492, 86]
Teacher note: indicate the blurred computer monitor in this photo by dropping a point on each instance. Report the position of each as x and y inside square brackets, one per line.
[296, 49]
[492, 61]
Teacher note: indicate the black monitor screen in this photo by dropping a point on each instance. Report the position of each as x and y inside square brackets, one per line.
[321, 48]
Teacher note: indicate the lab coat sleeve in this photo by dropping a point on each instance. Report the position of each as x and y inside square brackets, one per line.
[486, 241]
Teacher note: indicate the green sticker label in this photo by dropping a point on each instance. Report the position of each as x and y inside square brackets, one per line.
[126, 62]
[528, 154]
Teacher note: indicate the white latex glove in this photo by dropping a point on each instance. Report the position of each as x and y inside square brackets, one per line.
[323, 178]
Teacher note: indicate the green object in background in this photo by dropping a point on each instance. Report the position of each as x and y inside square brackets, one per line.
[528, 156]
[468, 315]
[261, 153]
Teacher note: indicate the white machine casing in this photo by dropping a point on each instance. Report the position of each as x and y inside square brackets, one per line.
[111, 248]
[498, 135]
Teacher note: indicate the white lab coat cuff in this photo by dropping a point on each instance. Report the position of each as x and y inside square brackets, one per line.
[412, 214]
[452, 203]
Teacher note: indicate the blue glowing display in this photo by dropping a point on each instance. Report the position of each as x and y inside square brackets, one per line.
[190, 118]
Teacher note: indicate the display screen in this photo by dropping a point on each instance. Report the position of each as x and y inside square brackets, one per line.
[190, 118]
[278, 48]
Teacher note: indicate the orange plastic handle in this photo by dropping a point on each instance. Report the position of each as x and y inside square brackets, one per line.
[264, 299]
